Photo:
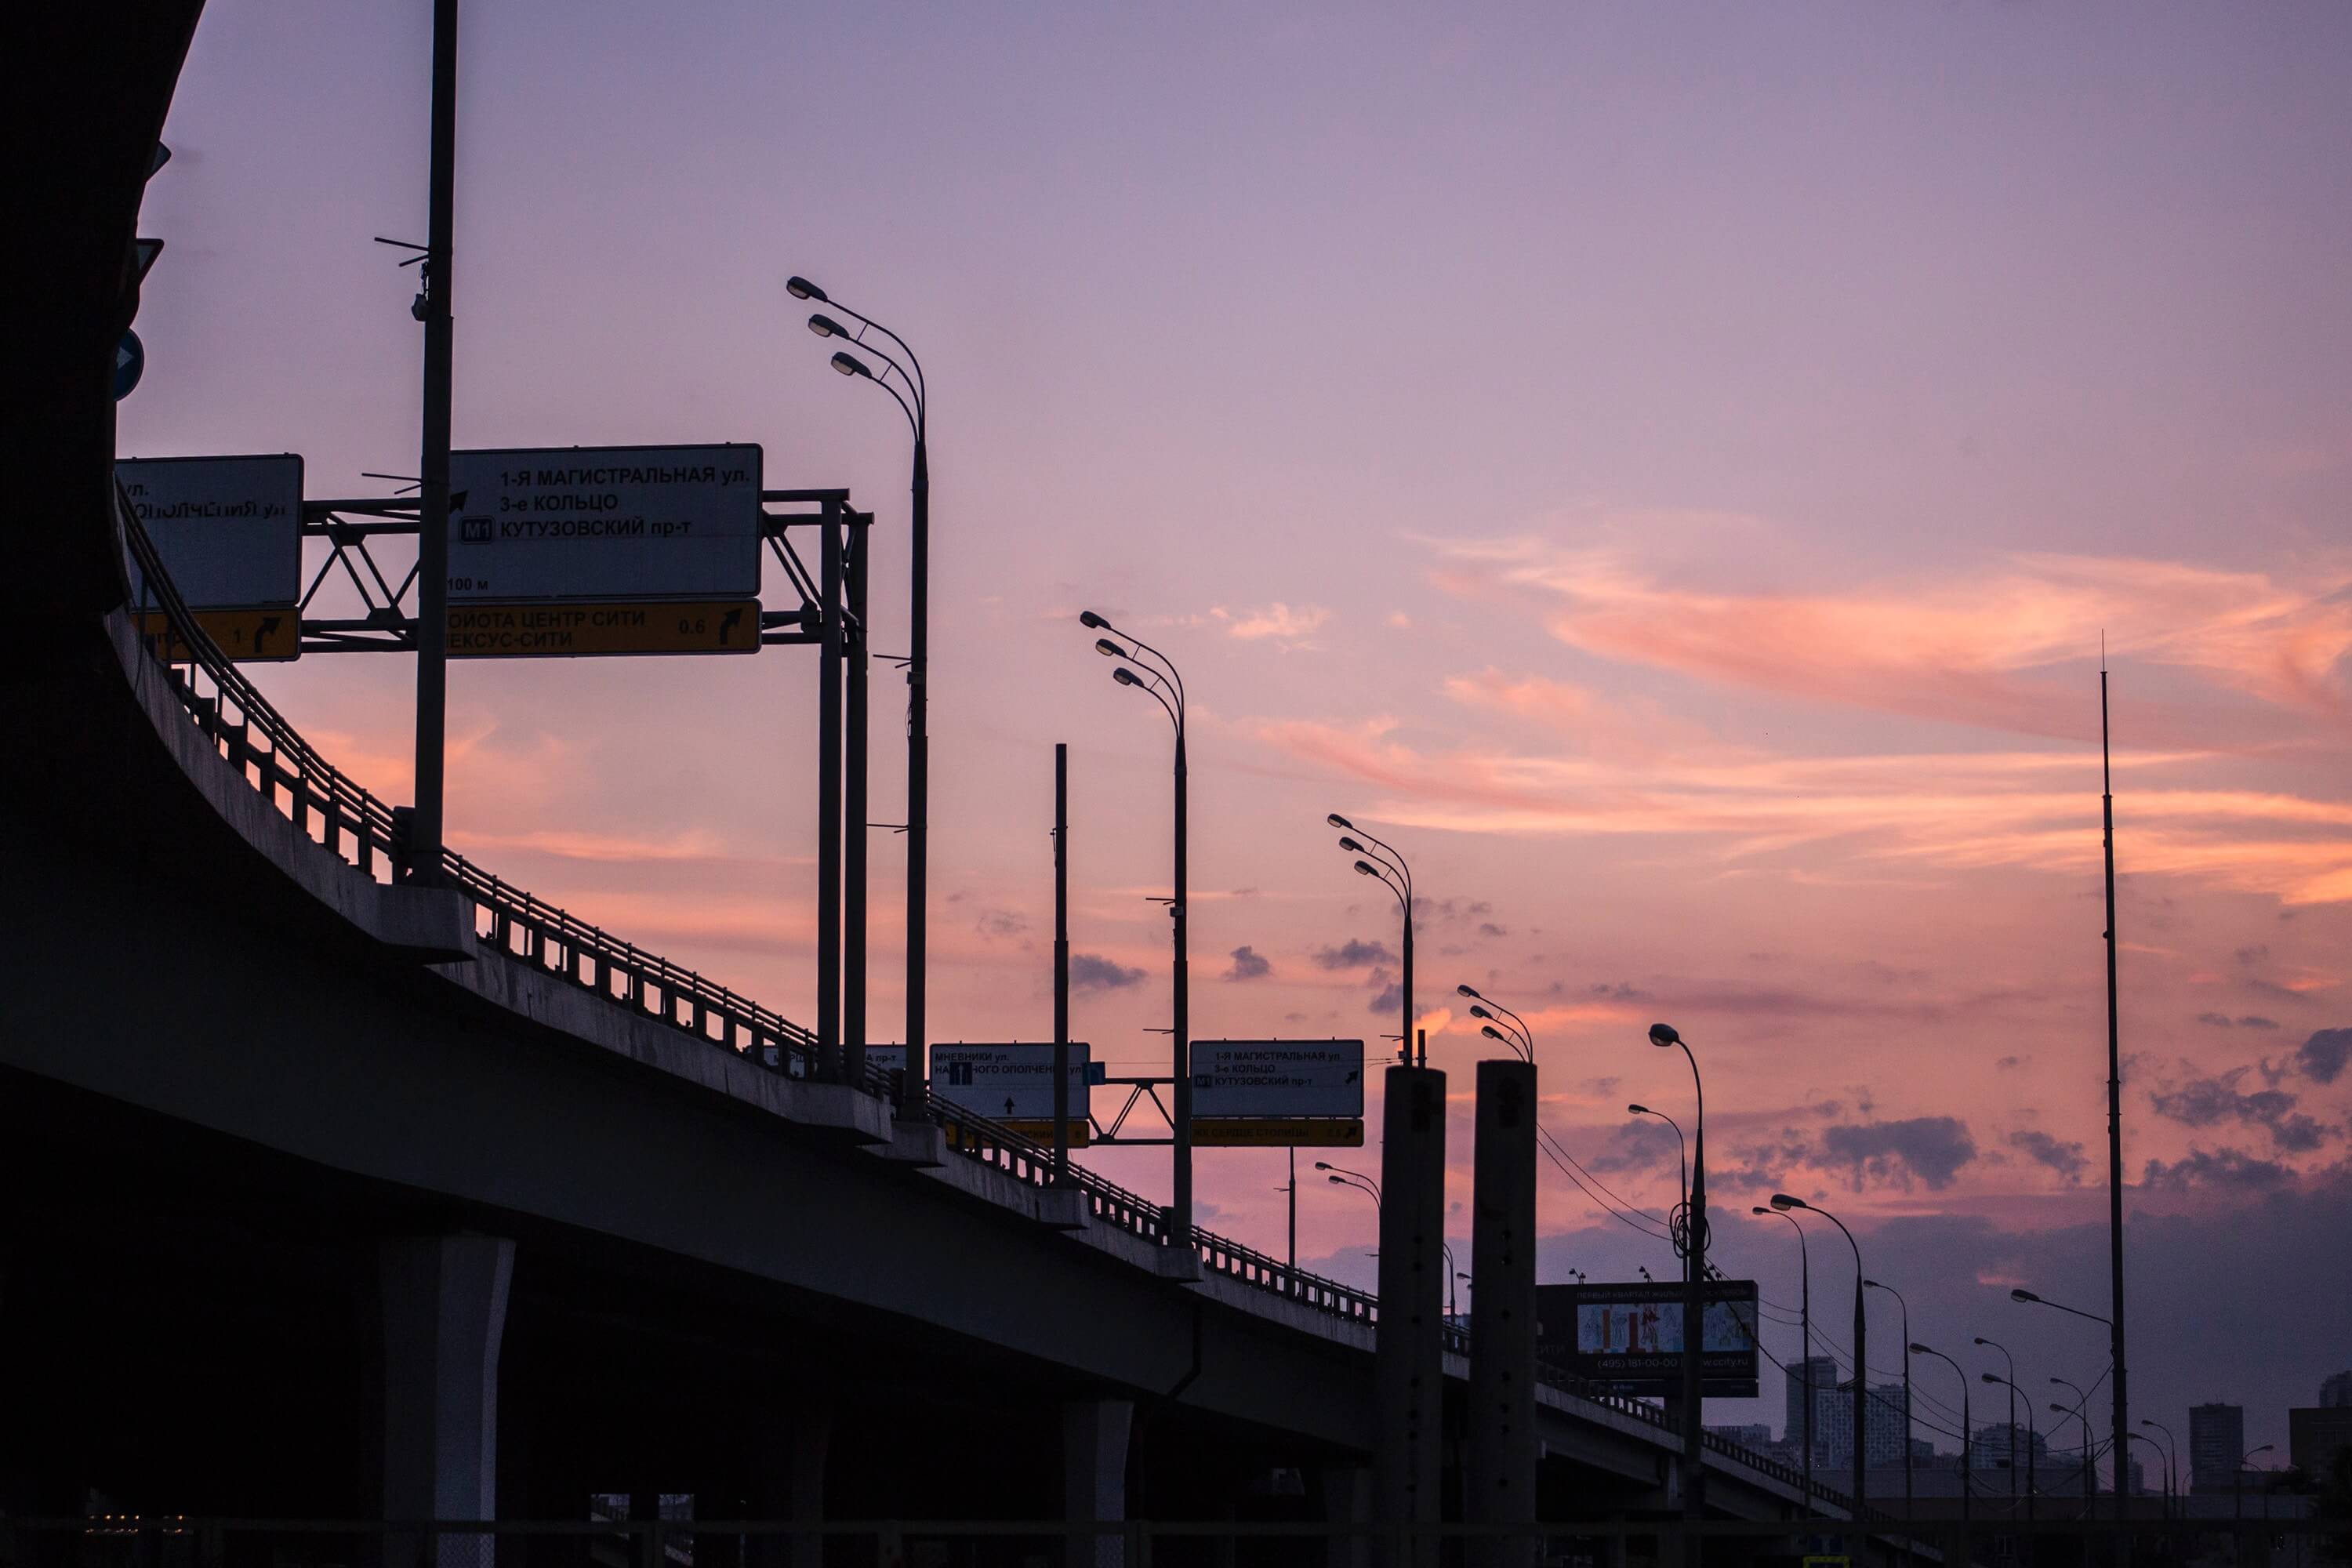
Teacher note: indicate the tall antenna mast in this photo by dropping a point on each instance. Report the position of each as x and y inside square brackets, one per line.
[2114, 1135]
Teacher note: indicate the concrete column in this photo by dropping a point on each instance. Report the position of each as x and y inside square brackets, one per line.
[1502, 1479]
[445, 1314]
[1409, 1384]
[789, 1484]
[1094, 1477]
[1347, 1499]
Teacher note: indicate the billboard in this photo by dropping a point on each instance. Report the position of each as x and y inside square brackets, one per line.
[1631, 1335]
[1011, 1084]
[595, 525]
[228, 529]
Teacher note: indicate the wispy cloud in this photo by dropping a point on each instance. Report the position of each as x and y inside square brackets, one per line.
[1963, 648]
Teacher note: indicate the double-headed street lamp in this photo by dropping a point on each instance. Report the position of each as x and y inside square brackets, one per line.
[1905, 1306]
[1861, 1349]
[914, 403]
[2032, 1434]
[1397, 878]
[1164, 686]
[1513, 1033]
[1805, 1316]
[2011, 1362]
[1968, 1426]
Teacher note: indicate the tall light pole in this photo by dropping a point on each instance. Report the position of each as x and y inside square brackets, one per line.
[2171, 1451]
[1397, 877]
[1694, 1249]
[2081, 1412]
[2237, 1479]
[2032, 1436]
[914, 403]
[1164, 686]
[423, 852]
[1805, 1315]
[1861, 1351]
[1968, 1427]
[2164, 1455]
[1906, 1307]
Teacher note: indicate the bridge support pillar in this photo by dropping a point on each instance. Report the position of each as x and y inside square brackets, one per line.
[1409, 1368]
[789, 1484]
[1347, 1501]
[1094, 1477]
[444, 1314]
[1502, 1482]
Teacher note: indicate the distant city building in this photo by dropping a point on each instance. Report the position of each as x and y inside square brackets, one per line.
[1992, 1451]
[2138, 1483]
[2336, 1391]
[1833, 1428]
[2314, 1437]
[1816, 1374]
[2217, 1440]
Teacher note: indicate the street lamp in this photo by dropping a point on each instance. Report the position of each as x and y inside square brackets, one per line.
[1158, 680]
[2028, 1296]
[1968, 1427]
[2032, 1436]
[1397, 877]
[2171, 1464]
[914, 403]
[1905, 1306]
[2236, 1478]
[1694, 1251]
[1861, 1353]
[2011, 1362]
[1683, 1180]
[1805, 1315]
[2081, 1411]
[1514, 1034]
[2162, 1454]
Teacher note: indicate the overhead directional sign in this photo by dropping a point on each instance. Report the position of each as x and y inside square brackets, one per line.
[245, 636]
[229, 531]
[568, 630]
[1262, 1093]
[595, 525]
[1009, 1084]
[1277, 1078]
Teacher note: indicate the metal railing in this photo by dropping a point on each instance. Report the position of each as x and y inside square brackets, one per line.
[331, 808]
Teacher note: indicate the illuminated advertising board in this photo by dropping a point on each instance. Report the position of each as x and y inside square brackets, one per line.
[1630, 1336]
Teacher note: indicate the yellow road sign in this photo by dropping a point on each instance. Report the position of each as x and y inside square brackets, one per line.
[1277, 1132]
[246, 635]
[569, 631]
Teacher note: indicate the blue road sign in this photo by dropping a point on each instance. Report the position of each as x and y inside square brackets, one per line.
[130, 362]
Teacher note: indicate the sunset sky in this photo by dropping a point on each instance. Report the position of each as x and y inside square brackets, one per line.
[1668, 469]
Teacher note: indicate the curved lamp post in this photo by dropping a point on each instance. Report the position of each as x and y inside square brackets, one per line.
[1379, 860]
[1684, 1186]
[1968, 1427]
[2011, 1362]
[1694, 1249]
[1146, 669]
[1513, 1033]
[2237, 1479]
[2171, 1452]
[2081, 1411]
[2032, 1436]
[1805, 1316]
[1905, 1306]
[915, 404]
[1861, 1351]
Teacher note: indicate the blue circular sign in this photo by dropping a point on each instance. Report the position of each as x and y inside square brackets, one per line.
[129, 363]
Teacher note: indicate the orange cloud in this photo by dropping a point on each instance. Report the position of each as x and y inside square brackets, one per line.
[1963, 649]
